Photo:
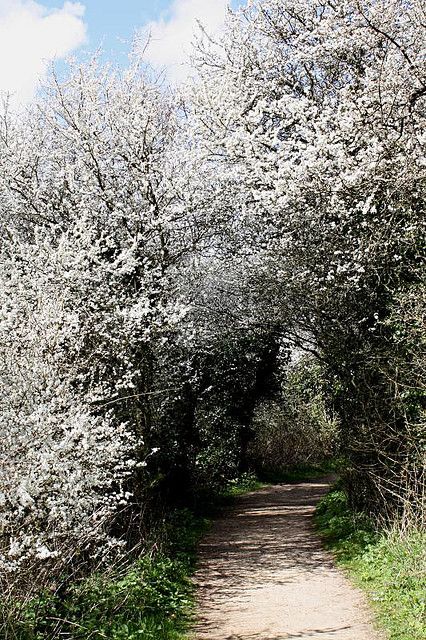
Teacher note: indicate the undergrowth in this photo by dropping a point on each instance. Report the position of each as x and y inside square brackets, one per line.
[298, 473]
[150, 598]
[245, 483]
[389, 566]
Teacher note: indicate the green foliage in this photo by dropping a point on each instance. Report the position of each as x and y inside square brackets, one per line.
[298, 473]
[296, 428]
[141, 603]
[389, 566]
[347, 532]
[183, 531]
[245, 482]
[148, 599]
[202, 430]
[234, 372]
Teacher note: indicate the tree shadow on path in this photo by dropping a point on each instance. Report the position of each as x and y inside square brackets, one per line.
[264, 575]
[268, 530]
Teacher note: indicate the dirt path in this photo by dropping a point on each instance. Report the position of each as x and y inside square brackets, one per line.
[263, 574]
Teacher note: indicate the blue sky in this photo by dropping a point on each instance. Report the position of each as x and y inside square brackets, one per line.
[34, 33]
[109, 21]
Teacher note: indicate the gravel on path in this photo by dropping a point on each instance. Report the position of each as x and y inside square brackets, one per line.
[264, 575]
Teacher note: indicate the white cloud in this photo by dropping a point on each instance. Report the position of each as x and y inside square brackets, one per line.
[171, 36]
[31, 36]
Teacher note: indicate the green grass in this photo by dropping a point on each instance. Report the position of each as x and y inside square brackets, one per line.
[388, 566]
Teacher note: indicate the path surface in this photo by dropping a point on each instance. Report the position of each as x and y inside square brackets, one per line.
[263, 574]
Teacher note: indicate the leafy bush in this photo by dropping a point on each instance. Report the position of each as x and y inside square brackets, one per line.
[344, 529]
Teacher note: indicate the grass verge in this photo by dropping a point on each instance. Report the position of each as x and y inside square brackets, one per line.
[388, 566]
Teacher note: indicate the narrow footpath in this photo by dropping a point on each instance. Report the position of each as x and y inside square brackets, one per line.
[264, 575]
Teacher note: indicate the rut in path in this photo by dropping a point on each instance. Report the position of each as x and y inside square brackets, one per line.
[264, 575]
